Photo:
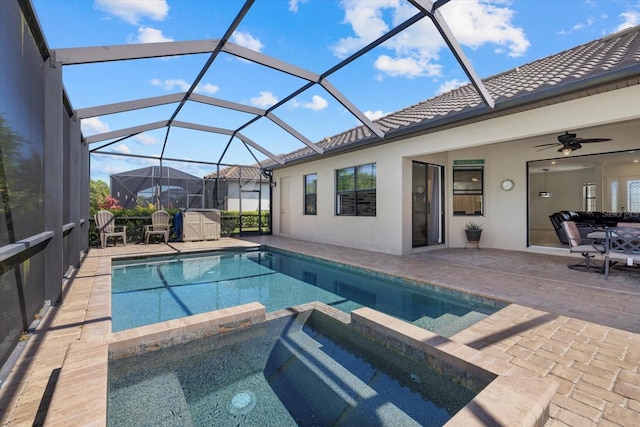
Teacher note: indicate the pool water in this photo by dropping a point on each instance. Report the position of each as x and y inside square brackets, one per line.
[152, 290]
[289, 371]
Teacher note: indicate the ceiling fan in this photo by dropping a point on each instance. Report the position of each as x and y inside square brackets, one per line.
[569, 142]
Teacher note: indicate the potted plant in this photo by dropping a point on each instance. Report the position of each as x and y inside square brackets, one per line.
[473, 231]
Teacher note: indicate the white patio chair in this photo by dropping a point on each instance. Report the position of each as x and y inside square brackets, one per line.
[106, 224]
[159, 225]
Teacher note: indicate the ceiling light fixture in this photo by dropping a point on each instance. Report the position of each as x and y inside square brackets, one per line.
[545, 193]
[567, 150]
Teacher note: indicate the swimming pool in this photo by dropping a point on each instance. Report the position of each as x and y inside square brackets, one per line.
[288, 371]
[156, 289]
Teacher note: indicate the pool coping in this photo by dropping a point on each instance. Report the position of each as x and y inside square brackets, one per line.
[512, 395]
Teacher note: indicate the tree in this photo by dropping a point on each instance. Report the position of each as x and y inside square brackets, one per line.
[98, 193]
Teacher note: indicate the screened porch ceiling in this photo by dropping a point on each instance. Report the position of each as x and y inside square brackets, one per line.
[227, 127]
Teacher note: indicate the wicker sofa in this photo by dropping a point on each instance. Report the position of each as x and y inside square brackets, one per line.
[589, 221]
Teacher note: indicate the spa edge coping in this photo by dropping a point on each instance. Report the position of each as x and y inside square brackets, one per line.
[509, 395]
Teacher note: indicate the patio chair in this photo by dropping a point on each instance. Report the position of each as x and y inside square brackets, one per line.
[623, 244]
[159, 225]
[106, 224]
[587, 250]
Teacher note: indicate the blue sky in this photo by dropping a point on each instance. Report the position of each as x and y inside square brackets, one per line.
[312, 34]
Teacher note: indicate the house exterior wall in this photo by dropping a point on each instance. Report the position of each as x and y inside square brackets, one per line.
[505, 144]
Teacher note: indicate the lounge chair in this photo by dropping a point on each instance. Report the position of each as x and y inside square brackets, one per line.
[587, 250]
[159, 225]
[106, 224]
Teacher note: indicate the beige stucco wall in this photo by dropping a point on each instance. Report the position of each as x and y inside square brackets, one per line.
[505, 144]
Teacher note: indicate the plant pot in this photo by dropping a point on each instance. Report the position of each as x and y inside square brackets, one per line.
[473, 235]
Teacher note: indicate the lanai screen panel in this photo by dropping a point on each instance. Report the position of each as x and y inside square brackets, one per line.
[163, 187]
[22, 176]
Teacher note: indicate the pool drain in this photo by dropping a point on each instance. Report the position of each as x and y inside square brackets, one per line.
[242, 403]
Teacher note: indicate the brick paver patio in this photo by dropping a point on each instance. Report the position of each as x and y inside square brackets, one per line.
[571, 326]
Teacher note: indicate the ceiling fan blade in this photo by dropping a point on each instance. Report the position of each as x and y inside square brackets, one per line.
[565, 137]
[569, 141]
[550, 146]
[595, 140]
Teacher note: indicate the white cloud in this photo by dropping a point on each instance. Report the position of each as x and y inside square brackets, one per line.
[629, 19]
[149, 35]
[246, 40]
[122, 149]
[374, 115]
[132, 11]
[317, 103]
[145, 139]
[366, 21]
[183, 86]
[449, 86]
[407, 67]
[265, 100]
[589, 22]
[207, 88]
[415, 51]
[169, 84]
[293, 5]
[476, 23]
[93, 126]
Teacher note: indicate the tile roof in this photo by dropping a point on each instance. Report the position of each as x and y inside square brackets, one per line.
[598, 63]
[233, 172]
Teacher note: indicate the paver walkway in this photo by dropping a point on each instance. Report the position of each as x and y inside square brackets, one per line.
[568, 325]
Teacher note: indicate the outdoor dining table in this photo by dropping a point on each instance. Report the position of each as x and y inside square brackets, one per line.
[604, 237]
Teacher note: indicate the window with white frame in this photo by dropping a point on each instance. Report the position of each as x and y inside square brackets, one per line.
[589, 195]
[633, 195]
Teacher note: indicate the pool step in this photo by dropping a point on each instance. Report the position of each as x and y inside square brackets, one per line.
[449, 324]
[156, 401]
[322, 384]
